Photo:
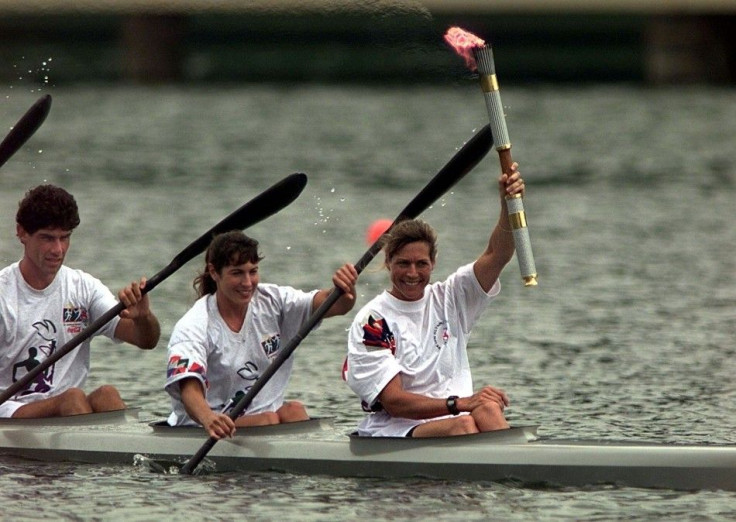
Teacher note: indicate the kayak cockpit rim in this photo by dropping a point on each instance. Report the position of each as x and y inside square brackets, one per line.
[314, 424]
[125, 416]
[514, 434]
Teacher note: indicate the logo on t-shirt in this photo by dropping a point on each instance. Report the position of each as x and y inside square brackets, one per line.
[441, 335]
[271, 345]
[376, 334]
[179, 365]
[75, 318]
[46, 331]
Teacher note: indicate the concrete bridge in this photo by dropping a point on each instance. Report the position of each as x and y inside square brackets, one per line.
[675, 41]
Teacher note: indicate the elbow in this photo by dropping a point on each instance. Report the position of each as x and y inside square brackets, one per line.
[149, 342]
[347, 305]
[341, 307]
[398, 409]
[148, 346]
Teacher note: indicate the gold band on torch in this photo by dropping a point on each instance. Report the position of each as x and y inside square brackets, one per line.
[517, 217]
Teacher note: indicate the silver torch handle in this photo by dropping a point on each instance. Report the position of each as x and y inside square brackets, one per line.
[502, 143]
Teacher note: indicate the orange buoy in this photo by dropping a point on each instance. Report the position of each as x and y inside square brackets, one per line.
[376, 230]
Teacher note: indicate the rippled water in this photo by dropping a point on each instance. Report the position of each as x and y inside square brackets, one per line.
[630, 334]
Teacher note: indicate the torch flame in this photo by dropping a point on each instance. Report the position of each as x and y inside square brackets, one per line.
[463, 43]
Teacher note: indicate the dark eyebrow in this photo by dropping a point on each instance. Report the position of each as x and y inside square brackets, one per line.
[47, 235]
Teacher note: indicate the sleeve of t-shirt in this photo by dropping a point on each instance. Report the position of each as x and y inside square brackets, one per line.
[187, 358]
[470, 298]
[296, 308]
[370, 363]
[101, 301]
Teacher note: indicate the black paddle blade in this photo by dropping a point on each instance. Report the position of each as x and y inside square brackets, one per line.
[454, 170]
[27, 125]
[267, 203]
[464, 160]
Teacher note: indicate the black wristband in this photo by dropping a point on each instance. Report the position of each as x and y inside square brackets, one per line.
[452, 405]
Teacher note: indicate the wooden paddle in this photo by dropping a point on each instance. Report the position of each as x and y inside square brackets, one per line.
[24, 129]
[460, 164]
[259, 208]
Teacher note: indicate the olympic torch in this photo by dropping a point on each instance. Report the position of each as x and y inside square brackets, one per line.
[479, 56]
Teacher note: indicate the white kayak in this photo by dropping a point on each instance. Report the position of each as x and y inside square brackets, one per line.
[314, 447]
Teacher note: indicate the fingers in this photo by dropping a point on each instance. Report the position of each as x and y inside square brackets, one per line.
[133, 294]
[511, 183]
[493, 394]
[220, 426]
[345, 278]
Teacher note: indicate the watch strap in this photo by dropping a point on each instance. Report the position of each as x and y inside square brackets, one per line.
[451, 403]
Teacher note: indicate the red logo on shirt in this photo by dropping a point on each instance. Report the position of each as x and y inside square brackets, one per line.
[376, 334]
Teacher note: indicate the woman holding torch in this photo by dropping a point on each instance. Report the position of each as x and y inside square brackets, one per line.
[407, 357]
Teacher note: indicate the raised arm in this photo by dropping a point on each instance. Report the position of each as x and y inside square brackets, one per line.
[500, 247]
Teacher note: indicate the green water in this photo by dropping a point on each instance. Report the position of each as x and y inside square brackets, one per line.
[630, 334]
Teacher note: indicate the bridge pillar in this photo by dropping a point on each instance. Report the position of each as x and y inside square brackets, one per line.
[152, 47]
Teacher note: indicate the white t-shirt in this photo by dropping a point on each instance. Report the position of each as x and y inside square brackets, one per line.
[35, 323]
[228, 363]
[424, 341]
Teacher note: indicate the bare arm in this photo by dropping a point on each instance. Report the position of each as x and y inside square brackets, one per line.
[138, 325]
[400, 403]
[500, 247]
[218, 425]
[344, 278]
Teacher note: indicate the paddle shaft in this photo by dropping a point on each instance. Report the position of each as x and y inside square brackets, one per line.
[262, 206]
[27, 125]
[458, 166]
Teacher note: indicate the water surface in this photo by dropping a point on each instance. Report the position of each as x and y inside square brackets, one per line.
[630, 334]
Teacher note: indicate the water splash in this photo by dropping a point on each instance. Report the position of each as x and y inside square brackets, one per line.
[171, 466]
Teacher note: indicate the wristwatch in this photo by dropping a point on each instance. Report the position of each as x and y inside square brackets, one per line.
[452, 405]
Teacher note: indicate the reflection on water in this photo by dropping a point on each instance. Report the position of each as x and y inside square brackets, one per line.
[629, 334]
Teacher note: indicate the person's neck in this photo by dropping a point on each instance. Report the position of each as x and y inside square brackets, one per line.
[33, 277]
[232, 314]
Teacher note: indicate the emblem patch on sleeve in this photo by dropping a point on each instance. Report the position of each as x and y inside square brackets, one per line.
[376, 334]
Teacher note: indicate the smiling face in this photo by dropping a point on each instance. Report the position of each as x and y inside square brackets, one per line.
[410, 269]
[236, 285]
[43, 255]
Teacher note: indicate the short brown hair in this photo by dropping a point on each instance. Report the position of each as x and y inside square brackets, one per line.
[47, 206]
[410, 231]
